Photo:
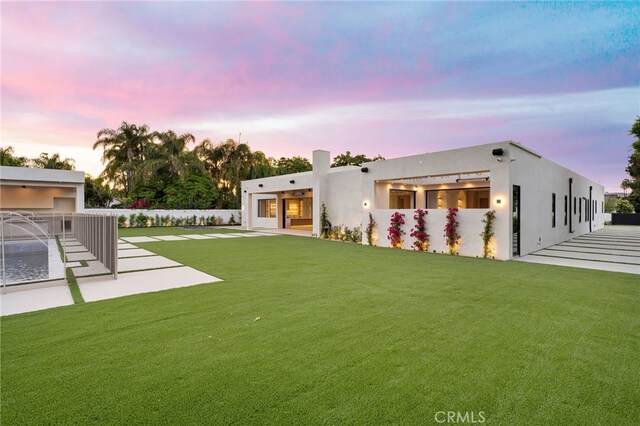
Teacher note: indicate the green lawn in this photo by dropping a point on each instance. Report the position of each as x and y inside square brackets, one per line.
[347, 334]
[174, 230]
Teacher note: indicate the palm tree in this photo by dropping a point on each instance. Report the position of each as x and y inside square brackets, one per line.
[226, 162]
[123, 152]
[170, 156]
[44, 161]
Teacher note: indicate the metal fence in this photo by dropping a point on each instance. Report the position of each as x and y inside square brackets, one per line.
[99, 234]
[27, 237]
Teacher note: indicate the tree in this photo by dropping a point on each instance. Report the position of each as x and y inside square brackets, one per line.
[44, 161]
[123, 152]
[226, 163]
[634, 168]
[8, 159]
[624, 206]
[297, 164]
[191, 192]
[347, 159]
[96, 193]
[610, 205]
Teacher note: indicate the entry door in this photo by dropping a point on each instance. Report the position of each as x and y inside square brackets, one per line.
[516, 220]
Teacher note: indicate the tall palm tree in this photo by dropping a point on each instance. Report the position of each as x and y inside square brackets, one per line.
[123, 152]
[169, 155]
[45, 161]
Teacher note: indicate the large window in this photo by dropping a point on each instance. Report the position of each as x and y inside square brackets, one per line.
[553, 210]
[401, 199]
[566, 202]
[266, 208]
[580, 212]
[464, 198]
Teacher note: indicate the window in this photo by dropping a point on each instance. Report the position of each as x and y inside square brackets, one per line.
[465, 198]
[580, 212]
[266, 208]
[574, 205]
[566, 205]
[401, 199]
[553, 210]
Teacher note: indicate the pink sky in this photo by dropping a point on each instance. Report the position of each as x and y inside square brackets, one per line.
[390, 79]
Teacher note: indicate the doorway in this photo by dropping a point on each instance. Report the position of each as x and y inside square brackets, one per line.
[516, 219]
[298, 213]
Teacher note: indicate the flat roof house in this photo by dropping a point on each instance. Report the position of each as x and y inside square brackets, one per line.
[41, 190]
[537, 202]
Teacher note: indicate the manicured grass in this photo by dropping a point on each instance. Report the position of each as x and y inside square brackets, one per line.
[173, 230]
[347, 335]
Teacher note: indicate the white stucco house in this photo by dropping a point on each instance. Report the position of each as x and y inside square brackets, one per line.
[41, 190]
[537, 202]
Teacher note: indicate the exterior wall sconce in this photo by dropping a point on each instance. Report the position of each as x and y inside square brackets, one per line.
[245, 191]
[24, 186]
[292, 181]
[260, 185]
[365, 204]
[364, 170]
[498, 200]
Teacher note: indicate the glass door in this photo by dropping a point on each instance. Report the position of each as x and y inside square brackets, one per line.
[516, 220]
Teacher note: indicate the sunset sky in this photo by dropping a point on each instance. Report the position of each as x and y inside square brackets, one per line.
[377, 78]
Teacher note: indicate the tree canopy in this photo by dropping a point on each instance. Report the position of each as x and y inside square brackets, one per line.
[633, 168]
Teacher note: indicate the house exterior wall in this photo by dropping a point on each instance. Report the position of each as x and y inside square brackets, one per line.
[350, 195]
[538, 179]
[44, 190]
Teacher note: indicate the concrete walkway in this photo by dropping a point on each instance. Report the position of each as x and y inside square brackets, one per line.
[614, 249]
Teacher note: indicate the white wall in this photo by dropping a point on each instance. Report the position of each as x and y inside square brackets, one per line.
[224, 214]
[538, 178]
[470, 227]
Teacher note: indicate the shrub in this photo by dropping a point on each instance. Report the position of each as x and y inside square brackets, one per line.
[132, 219]
[419, 232]
[232, 220]
[624, 206]
[140, 220]
[371, 229]
[325, 225]
[356, 234]
[122, 219]
[487, 233]
[191, 192]
[451, 231]
[139, 204]
[395, 230]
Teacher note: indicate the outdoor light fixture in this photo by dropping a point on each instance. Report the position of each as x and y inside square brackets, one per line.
[292, 181]
[24, 186]
[472, 179]
[498, 152]
[260, 185]
[499, 201]
[365, 204]
[364, 170]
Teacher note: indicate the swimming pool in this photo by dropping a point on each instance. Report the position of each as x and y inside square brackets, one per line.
[29, 260]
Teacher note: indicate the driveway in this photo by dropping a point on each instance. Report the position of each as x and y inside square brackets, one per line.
[615, 249]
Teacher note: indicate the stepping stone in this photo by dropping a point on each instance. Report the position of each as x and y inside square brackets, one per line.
[73, 264]
[196, 237]
[134, 253]
[126, 246]
[226, 236]
[140, 239]
[170, 238]
[75, 249]
[100, 288]
[148, 262]
[209, 236]
[93, 268]
[34, 300]
[72, 257]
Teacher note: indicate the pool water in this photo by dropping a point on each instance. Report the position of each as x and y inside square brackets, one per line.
[27, 261]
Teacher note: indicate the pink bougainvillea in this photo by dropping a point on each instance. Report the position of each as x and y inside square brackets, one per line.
[395, 230]
[139, 204]
[451, 231]
[419, 232]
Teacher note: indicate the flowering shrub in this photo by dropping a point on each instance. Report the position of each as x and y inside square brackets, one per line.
[139, 204]
[451, 230]
[487, 233]
[395, 230]
[419, 232]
